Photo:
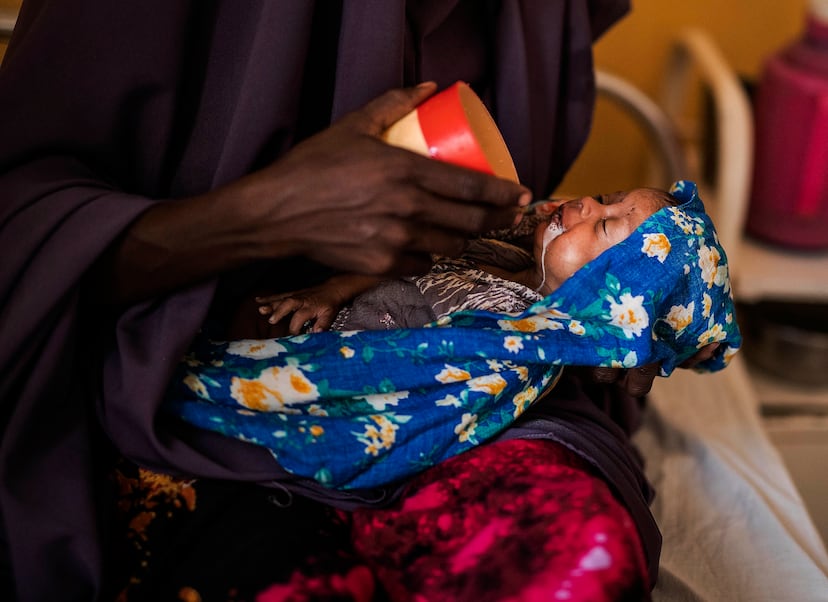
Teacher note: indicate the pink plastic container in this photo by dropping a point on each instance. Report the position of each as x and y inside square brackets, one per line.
[789, 198]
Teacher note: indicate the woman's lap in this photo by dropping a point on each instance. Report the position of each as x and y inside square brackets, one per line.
[216, 540]
[518, 519]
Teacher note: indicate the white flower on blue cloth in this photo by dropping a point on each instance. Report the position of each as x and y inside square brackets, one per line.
[512, 344]
[274, 388]
[524, 399]
[713, 272]
[521, 371]
[195, 385]
[707, 305]
[465, 430]
[380, 401]
[256, 349]
[490, 383]
[629, 361]
[682, 220]
[551, 320]
[629, 315]
[448, 401]
[656, 245]
[452, 374]
[379, 434]
[681, 316]
[714, 334]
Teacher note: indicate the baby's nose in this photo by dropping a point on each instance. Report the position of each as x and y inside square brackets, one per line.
[588, 205]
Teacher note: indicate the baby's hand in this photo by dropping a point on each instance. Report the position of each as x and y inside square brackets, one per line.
[315, 308]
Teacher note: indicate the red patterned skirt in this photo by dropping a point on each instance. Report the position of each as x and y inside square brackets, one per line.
[513, 520]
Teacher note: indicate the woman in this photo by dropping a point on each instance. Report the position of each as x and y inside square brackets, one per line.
[166, 158]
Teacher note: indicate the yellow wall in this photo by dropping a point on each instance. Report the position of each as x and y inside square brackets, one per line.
[7, 5]
[746, 31]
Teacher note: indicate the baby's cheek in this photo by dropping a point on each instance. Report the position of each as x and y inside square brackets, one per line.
[563, 261]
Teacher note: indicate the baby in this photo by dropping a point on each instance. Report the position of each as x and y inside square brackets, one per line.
[619, 281]
[567, 235]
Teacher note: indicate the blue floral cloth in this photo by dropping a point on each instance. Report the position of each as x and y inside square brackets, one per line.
[366, 408]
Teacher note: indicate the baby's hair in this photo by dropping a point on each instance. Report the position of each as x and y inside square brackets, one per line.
[665, 197]
[661, 197]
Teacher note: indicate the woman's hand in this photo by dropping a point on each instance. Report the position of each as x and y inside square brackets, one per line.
[639, 381]
[347, 199]
[633, 381]
[315, 306]
[343, 197]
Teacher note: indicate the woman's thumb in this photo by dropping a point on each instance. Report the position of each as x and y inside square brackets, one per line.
[379, 114]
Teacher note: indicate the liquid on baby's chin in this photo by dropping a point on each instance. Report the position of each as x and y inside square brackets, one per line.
[553, 231]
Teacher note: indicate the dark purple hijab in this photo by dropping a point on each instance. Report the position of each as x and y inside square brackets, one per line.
[109, 107]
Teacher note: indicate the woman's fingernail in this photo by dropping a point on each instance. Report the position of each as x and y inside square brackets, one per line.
[524, 199]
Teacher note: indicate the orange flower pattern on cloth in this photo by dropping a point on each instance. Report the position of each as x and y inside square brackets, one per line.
[143, 498]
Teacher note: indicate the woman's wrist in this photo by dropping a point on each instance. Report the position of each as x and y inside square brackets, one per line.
[178, 243]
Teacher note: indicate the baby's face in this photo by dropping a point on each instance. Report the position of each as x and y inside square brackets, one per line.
[581, 229]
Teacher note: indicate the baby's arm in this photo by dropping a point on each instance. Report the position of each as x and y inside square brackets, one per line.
[316, 306]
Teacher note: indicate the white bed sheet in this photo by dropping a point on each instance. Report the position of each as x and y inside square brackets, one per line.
[734, 526]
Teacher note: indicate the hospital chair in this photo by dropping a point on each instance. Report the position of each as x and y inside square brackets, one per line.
[8, 17]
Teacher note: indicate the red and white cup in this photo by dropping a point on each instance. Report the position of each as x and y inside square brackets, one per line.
[454, 126]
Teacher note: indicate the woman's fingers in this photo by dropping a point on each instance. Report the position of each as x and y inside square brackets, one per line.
[280, 309]
[441, 179]
[639, 381]
[352, 202]
[634, 381]
[467, 185]
[465, 216]
[702, 355]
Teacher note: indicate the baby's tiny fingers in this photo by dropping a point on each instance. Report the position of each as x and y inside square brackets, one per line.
[282, 309]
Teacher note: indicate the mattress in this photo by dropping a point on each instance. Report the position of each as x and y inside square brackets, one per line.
[734, 525]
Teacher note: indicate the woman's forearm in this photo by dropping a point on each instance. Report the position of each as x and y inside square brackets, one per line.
[175, 244]
[343, 198]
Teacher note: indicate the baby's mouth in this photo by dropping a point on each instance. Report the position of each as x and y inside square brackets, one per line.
[555, 227]
[552, 231]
